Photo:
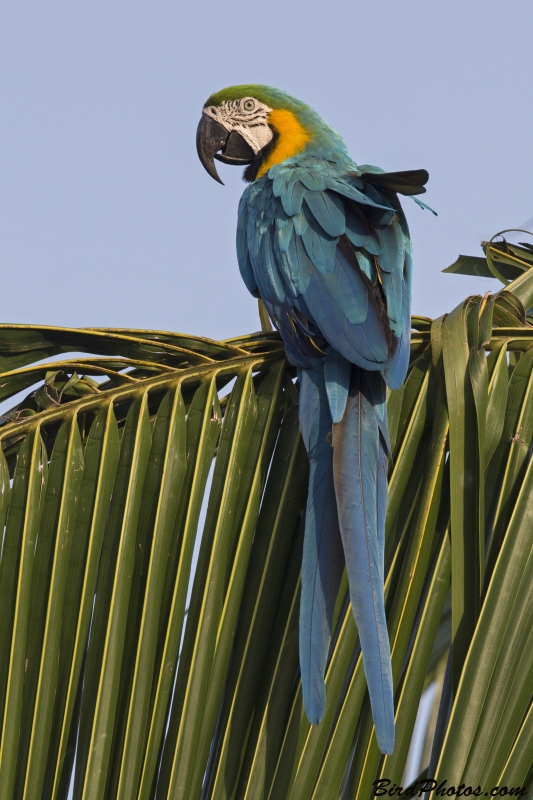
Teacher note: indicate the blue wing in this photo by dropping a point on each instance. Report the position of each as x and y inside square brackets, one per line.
[330, 255]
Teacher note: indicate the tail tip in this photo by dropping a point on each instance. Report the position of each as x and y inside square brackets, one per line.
[386, 742]
[314, 711]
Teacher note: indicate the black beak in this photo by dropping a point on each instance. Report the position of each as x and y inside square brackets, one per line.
[212, 137]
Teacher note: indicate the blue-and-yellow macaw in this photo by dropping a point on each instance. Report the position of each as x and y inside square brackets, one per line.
[325, 245]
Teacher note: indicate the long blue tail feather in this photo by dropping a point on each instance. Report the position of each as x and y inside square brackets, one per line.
[337, 373]
[359, 466]
[377, 397]
[382, 497]
[323, 559]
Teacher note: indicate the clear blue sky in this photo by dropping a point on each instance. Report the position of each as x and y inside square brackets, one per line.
[108, 218]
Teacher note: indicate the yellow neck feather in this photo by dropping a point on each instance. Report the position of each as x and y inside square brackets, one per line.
[292, 138]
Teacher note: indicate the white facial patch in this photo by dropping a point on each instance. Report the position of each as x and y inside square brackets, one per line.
[248, 117]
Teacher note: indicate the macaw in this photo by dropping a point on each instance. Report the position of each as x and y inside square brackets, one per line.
[324, 244]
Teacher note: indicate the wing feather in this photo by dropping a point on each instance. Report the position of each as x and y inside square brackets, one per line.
[328, 210]
[293, 198]
[284, 234]
[365, 344]
[391, 257]
[357, 229]
[312, 180]
[367, 265]
[320, 246]
[348, 289]
[296, 266]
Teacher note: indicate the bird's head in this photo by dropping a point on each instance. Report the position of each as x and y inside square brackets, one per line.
[259, 126]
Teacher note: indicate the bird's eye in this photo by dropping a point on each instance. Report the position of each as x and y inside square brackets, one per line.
[249, 105]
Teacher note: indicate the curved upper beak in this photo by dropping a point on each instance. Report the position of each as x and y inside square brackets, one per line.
[211, 137]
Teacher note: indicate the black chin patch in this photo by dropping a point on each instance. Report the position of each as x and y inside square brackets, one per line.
[250, 173]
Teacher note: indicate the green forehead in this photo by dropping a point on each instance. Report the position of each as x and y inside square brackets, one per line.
[272, 97]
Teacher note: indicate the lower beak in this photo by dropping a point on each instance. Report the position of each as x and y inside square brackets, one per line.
[211, 137]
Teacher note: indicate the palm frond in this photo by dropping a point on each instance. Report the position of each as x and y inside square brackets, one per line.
[152, 498]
